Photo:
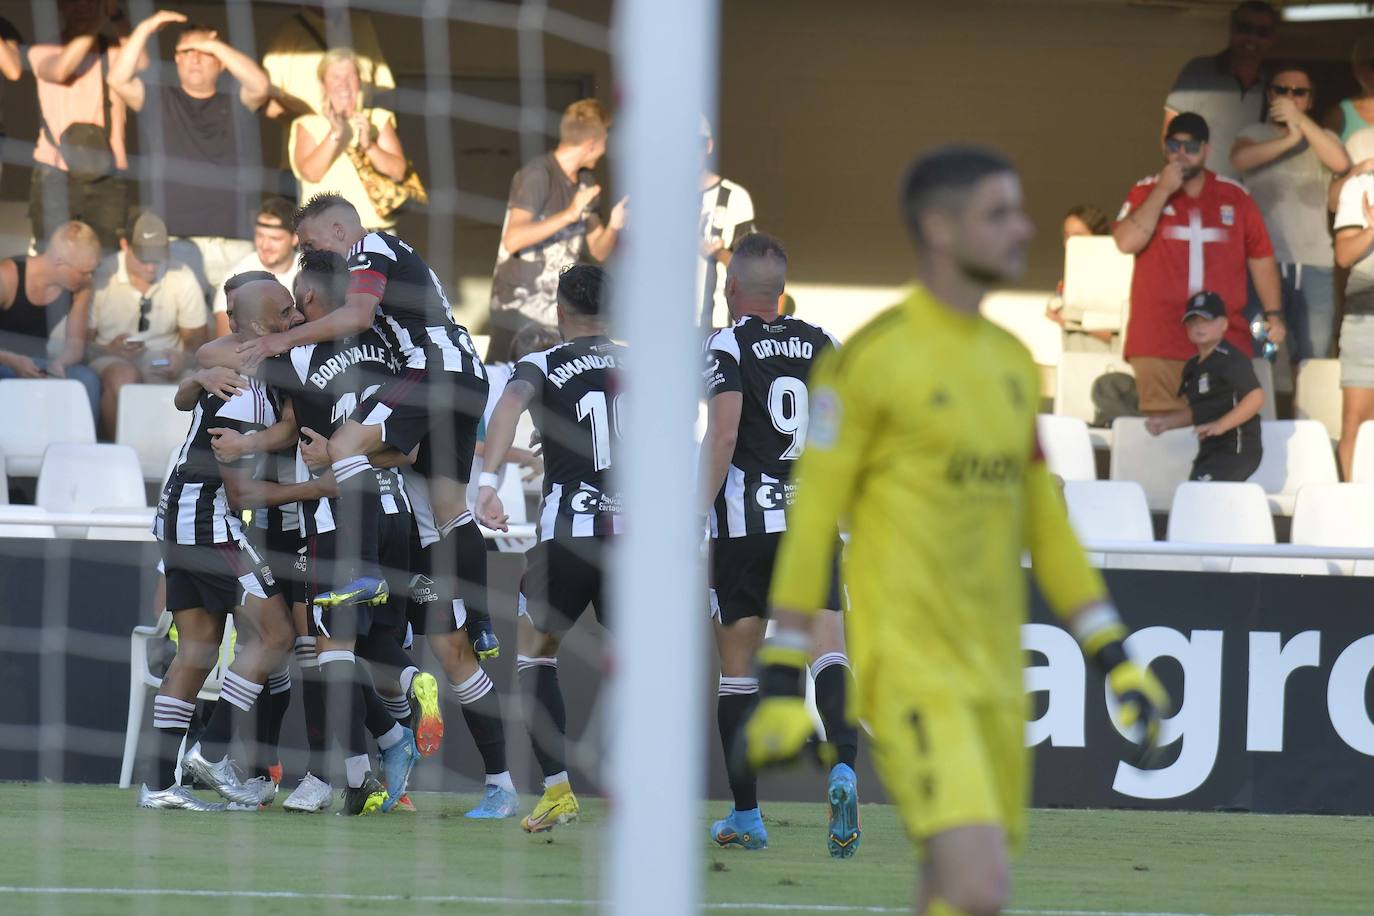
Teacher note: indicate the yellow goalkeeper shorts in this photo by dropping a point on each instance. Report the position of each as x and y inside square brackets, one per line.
[949, 763]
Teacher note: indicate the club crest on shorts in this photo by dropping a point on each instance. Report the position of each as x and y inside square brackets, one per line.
[1228, 215]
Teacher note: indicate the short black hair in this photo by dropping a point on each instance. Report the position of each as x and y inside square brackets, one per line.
[945, 172]
[1255, 6]
[243, 279]
[583, 289]
[192, 28]
[760, 245]
[320, 203]
[278, 207]
[327, 272]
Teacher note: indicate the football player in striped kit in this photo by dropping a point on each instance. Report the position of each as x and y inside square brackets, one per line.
[572, 392]
[208, 560]
[756, 385]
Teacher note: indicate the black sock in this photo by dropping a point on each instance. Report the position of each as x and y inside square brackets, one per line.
[481, 706]
[383, 650]
[735, 702]
[343, 719]
[312, 704]
[469, 550]
[205, 710]
[358, 516]
[271, 712]
[376, 717]
[545, 718]
[832, 689]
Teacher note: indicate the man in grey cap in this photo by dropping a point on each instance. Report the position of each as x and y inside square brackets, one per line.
[148, 314]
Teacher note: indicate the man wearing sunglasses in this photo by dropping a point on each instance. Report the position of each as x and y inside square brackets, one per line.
[148, 313]
[1227, 89]
[1288, 163]
[1190, 230]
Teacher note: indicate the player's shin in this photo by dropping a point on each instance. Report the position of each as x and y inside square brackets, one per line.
[735, 700]
[470, 564]
[312, 703]
[833, 679]
[545, 716]
[359, 516]
[344, 713]
[781, 725]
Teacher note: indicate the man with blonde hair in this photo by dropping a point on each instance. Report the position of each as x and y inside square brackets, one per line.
[551, 224]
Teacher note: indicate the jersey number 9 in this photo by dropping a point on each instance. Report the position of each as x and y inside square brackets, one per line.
[789, 408]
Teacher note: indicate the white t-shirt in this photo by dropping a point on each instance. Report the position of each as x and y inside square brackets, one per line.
[175, 298]
[727, 213]
[253, 262]
[1359, 289]
[1291, 193]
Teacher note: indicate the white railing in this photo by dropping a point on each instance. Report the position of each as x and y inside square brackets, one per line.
[1188, 549]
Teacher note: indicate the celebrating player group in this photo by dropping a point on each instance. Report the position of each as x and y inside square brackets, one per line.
[883, 491]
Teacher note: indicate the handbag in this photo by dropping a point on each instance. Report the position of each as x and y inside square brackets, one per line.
[83, 146]
[386, 193]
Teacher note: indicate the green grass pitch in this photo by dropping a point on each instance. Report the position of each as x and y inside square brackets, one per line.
[92, 845]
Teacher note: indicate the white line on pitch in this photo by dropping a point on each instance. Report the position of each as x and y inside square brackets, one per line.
[508, 901]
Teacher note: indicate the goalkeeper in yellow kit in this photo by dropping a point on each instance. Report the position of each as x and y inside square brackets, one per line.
[922, 443]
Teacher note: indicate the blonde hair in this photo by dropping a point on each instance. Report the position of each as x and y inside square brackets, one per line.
[338, 55]
[582, 121]
[74, 234]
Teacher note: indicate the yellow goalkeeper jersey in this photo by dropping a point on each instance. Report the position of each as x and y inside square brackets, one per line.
[921, 442]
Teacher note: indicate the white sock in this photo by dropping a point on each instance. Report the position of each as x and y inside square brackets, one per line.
[391, 738]
[399, 707]
[555, 779]
[408, 676]
[501, 780]
[357, 769]
[473, 689]
[239, 691]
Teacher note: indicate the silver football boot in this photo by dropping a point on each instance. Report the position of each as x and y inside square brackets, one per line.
[223, 778]
[178, 797]
[313, 794]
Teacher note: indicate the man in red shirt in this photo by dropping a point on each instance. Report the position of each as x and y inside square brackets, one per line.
[1190, 230]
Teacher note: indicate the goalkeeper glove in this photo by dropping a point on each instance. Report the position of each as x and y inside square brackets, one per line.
[780, 726]
[1141, 699]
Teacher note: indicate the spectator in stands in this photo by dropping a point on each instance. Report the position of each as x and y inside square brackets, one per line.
[550, 225]
[299, 44]
[274, 252]
[1224, 397]
[45, 305]
[79, 159]
[1227, 89]
[1354, 227]
[148, 315]
[1356, 113]
[203, 152]
[727, 215]
[1190, 230]
[1288, 163]
[1081, 220]
[11, 62]
[333, 150]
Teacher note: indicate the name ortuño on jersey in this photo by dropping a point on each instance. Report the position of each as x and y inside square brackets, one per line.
[325, 382]
[413, 312]
[576, 410]
[194, 507]
[768, 363]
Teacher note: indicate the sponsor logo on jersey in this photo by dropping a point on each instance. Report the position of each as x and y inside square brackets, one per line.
[422, 589]
[985, 468]
[588, 502]
[778, 495]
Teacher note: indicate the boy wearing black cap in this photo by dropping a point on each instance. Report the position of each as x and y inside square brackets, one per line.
[1224, 397]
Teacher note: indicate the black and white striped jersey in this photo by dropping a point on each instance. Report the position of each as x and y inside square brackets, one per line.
[278, 467]
[193, 507]
[576, 410]
[769, 363]
[325, 382]
[413, 314]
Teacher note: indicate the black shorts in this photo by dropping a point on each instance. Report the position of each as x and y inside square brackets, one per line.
[360, 619]
[214, 577]
[742, 573]
[1225, 464]
[284, 552]
[563, 576]
[438, 411]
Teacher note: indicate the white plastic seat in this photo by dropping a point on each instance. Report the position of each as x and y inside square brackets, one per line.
[1097, 282]
[1108, 510]
[1073, 388]
[150, 424]
[1362, 464]
[1022, 313]
[1318, 395]
[1158, 463]
[1220, 513]
[1067, 446]
[141, 680]
[1335, 515]
[141, 531]
[77, 478]
[15, 529]
[36, 413]
[4, 481]
[1296, 453]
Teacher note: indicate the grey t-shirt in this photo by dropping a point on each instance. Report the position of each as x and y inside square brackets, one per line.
[1359, 288]
[527, 280]
[1206, 85]
[1291, 194]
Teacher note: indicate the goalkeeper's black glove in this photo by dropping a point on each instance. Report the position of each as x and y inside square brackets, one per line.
[1141, 699]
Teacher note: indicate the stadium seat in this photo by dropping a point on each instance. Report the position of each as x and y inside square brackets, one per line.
[14, 529]
[4, 481]
[1362, 464]
[1073, 387]
[1220, 513]
[77, 478]
[1097, 281]
[1157, 463]
[1318, 395]
[140, 529]
[1067, 447]
[1335, 515]
[36, 413]
[1108, 510]
[1264, 372]
[1022, 313]
[142, 679]
[1296, 452]
[150, 424]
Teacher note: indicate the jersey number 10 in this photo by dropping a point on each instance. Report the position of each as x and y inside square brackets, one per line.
[605, 420]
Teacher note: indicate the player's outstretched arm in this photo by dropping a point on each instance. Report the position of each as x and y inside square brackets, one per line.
[514, 400]
[353, 317]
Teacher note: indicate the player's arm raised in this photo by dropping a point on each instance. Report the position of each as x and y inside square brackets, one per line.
[1077, 594]
[514, 401]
